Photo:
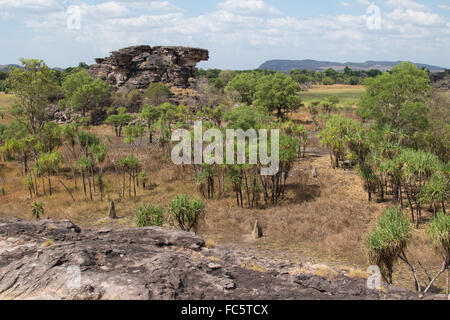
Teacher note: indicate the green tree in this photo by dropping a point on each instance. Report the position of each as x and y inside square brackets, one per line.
[150, 115]
[32, 87]
[278, 93]
[439, 232]
[398, 99]
[245, 84]
[417, 169]
[333, 136]
[37, 210]
[388, 243]
[83, 93]
[436, 192]
[119, 120]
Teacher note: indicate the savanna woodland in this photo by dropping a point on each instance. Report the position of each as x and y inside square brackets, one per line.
[363, 179]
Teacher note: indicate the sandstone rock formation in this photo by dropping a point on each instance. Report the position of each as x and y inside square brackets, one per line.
[56, 260]
[137, 67]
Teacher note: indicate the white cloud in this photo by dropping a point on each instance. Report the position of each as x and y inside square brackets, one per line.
[444, 7]
[345, 4]
[405, 4]
[30, 5]
[247, 7]
[410, 16]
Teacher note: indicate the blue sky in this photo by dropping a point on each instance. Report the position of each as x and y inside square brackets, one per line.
[240, 34]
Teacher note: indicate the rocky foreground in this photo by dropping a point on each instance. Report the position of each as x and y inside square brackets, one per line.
[56, 260]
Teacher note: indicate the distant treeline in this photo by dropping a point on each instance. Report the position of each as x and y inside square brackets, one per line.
[220, 78]
[305, 78]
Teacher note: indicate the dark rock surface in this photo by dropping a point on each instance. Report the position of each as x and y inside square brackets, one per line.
[137, 67]
[56, 260]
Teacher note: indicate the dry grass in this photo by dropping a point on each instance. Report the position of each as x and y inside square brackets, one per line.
[48, 243]
[253, 267]
[210, 243]
[357, 274]
[326, 272]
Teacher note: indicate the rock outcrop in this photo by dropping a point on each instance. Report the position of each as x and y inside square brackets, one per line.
[56, 260]
[137, 67]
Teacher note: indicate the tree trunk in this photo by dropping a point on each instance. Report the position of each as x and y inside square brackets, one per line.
[437, 276]
[90, 188]
[65, 187]
[49, 183]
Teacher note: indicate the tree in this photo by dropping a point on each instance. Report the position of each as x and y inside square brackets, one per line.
[278, 93]
[388, 243]
[150, 115]
[83, 93]
[37, 210]
[439, 232]
[50, 163]
[398, 99]
[98, 153]
[131, 166]
[32, 87]
[157, 93]
[133, 136]
[417, 169]
[119, 120]
[333, 137]
[436, 192]
[245, 84]
[185, 212]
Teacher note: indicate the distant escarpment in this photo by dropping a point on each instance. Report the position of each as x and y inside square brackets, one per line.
[288, 65]
[136, 67]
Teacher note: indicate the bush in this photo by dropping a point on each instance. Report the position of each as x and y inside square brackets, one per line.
[185, 212]
[148, 216]
[388, 241]
[37, 210]
[439, 231]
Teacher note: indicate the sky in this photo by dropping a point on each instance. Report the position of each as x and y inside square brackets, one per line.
[240, 34]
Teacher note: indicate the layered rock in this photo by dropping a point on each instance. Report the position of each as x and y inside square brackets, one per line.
[56, 260]
[137, 67]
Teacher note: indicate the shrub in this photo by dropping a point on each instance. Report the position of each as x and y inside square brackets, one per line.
[439, 231]
[147, 216]
[388, 241]
[185, 212]
[37, 210]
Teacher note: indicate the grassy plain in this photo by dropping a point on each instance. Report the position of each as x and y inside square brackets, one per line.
[5, 102]
[348, 95]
